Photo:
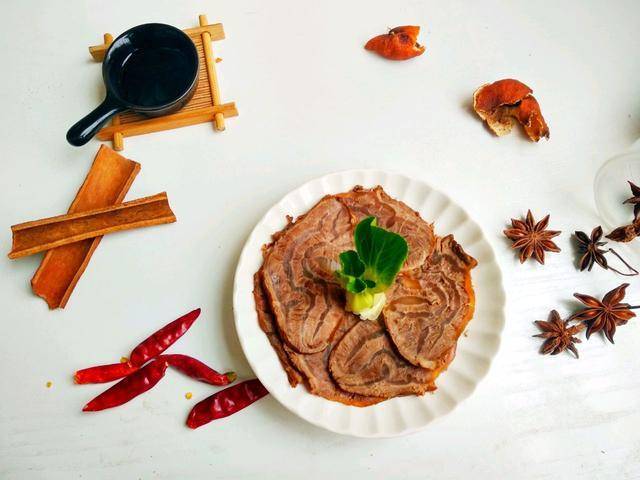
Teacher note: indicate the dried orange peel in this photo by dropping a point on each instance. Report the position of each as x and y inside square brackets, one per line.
[506, 101]
[401, 43]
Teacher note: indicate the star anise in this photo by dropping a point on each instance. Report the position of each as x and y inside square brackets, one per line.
[558, 335]
[590, 248]
[604, 315]
[626, 233]
[634, 200]
[532, 238]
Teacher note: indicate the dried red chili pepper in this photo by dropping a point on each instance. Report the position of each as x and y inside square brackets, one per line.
[226, 402]
[104, 373]
[129, 387]
[401, 43]
[197, 370]
[158, 342]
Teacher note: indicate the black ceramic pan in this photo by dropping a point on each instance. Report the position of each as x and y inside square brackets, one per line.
[151, 69]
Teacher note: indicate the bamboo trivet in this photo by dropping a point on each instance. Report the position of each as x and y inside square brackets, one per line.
[205, 106]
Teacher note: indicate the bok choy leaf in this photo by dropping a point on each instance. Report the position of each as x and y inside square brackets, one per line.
[369, 270]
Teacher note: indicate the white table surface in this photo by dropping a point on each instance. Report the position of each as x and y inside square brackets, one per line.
[312, 101]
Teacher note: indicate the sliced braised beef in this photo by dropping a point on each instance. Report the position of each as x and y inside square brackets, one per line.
[395, 216]
[267, 324]
[429, 307]
[298, 276]
[312, 368]
[315, 369]
[301, 308]
[365, 362]
[307, 302]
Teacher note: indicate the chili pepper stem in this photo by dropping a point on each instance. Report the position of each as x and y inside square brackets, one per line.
[635, 272]
[232, 376]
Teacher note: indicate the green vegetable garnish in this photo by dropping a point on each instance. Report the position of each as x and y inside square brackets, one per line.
[369, 270]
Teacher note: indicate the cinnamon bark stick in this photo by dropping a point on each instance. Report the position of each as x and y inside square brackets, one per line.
[107, 183]
[40, 235]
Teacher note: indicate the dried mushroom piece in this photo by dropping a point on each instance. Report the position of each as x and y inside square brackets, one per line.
[506, 101]
[401, 43]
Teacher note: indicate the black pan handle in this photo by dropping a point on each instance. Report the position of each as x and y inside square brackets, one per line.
[85, 129]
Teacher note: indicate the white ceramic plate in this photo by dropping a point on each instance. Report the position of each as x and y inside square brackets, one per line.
[475, 351]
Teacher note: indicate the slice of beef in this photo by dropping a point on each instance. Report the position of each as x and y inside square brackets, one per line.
[392, 215]
[429, 307]
[365, 362]
[267, 324]
[315, 368]
[298, 276]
